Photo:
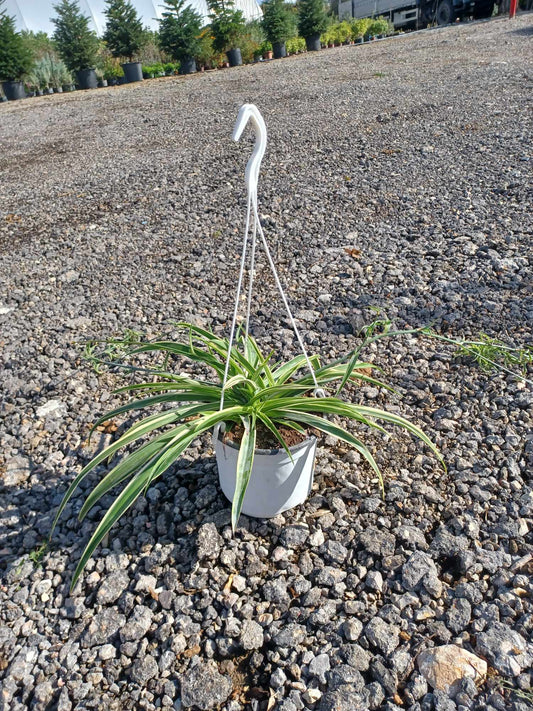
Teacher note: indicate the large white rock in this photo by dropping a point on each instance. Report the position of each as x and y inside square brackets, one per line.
[444, 667]
[57, 408]
[18, 470]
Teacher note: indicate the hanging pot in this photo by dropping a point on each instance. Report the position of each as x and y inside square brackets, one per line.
[133, 71]
[276, 483]
[234, 57]
[312, 43]
[14, 90]
[87, 79]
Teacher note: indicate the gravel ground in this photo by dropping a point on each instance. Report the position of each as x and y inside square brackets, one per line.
[397, 176]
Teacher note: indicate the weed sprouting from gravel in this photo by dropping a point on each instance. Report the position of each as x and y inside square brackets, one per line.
[37, 555]
[507, 686]
[114, 348]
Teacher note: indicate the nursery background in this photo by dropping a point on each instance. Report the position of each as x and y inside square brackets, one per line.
[396, 186]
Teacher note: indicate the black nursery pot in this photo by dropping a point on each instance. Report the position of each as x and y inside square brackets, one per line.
[187, 66]
[13, 90]
[87, 79]
[312, 43]
[279, 49]
[133, 71]
[234, 57]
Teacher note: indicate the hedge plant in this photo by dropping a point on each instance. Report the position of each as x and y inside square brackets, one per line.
[76, 42]
[15, 57]
[227, 24]
[312, 18]
[180, 30]
[278, 21]
[124, 33]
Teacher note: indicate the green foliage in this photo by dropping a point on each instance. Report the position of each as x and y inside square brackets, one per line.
[341, 32]
[150, 52]
[110, 67]
[509, 689]
[227, 24]
[124, 33]
[36, 556]
[327, 37]
[359, 27]
[153, 70]
[171, 68]
[180, 30]
[15, 56]
[295, 44]
[49, 71]
[312, 18]
[490, 353]
[76, 43]
[207, 56]
[38, 44]
[256, 391]
[379, 26]
[279, 21]
[251, 41]
[113, 348]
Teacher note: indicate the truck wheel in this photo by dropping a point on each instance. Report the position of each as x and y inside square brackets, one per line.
[445, 14]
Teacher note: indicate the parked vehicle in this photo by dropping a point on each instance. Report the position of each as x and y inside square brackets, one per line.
[406, 14]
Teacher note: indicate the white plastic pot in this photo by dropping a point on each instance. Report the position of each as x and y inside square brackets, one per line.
[276, 483]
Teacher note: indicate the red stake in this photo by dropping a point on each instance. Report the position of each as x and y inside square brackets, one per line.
[512, 8]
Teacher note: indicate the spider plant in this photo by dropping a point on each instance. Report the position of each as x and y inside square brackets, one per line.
[257, 391]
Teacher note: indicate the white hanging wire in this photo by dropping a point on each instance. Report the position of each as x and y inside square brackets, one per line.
[236, 309]
[246, 113]
[318, 391]
[251, 280]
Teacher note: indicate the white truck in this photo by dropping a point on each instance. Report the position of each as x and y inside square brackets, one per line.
[408, 14]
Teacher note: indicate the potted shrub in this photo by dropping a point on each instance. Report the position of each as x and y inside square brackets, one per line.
[31, 86]
[39, 77]
[102, 81]
[76, 43]
[170, 68]
[65, 78]
[180, 33]
[279, 25]
[296, 45]
[359, 28]
[227, 26]
[312, 21]
[265, 424]
[112, 71]
[206, 55]
[15, 58]
[326, 38]
[343, 32]
[56, 71]
[266, 50]
[378, 27]
[124, 35]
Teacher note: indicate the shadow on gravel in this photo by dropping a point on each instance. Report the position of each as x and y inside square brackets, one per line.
[170, 515]
[524, 31]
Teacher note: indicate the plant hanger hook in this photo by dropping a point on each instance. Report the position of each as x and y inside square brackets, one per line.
[250, 112]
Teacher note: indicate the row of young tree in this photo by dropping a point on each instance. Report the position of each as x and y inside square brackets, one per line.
[182, 37]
